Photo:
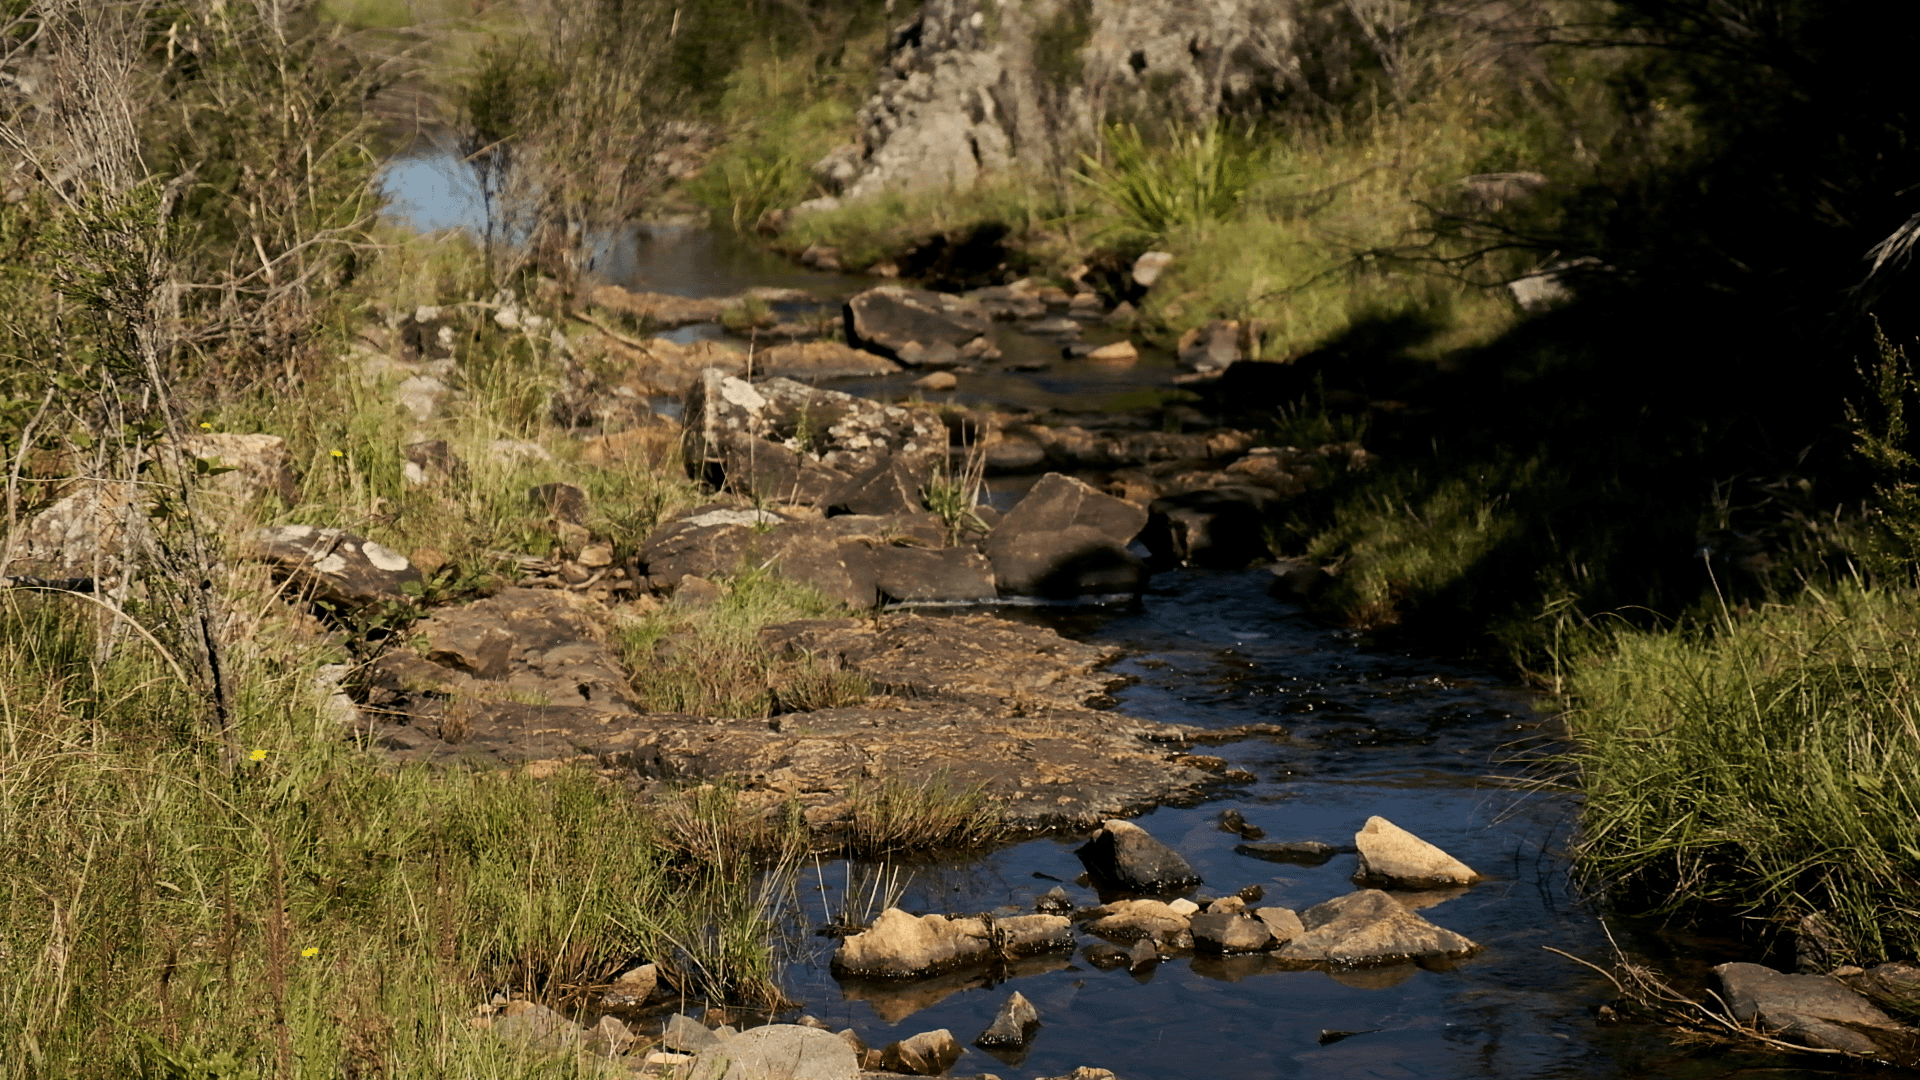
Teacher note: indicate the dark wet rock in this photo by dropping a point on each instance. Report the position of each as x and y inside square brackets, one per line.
[1128, 857]
[891, 318]
[1132, 920]
[1066, 539]
[1106, 957]
[1222, 527]
[785, 440]
[1250, 894]
[900, 945]
[1235, 822]
[1392, 857]
[929, 1053]
[335, 566]
[950, 575]
[1298, 581]
[1283, 923]
[1813, 1010]
[1229, 932]
[1300, 852]
[1010, 446]
[1013, 1025]
[779, 1052]
[708, 541]
[889, 486]
[1370, 927]
[530, 1024]
[820, 360]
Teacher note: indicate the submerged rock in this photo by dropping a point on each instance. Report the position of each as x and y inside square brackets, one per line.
[1369, 927]
[1128, 857]
[909, 324]
[899, 944]
[1392, 857]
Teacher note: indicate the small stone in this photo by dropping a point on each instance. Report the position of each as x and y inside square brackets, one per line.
[780, 1052]
[1370, 927]
[1013, 1025]
[1282, 923]
[683, 1032]
[812, 1021]
[1395, 858]
[1183, 906]
[633, 986]
[1107, 957]
[937, 381]
[1227, 905]
[1054, 901]
[1252, 894]
[1229, 932]
[929, 1053]
[1120, 352]
[609, 1037]
[526, 1022]
[1301, 852]
[595, 556]
[1127, 920]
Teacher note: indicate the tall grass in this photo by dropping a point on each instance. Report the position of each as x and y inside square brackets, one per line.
[311, 913]
[1768, 768]
[1196, 180]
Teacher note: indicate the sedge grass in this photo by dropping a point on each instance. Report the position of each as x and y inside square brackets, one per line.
[1768, 767]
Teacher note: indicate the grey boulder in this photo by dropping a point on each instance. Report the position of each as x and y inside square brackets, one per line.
[1814, 1010]
[1126, 856]
[911, 325]
[1370, 927]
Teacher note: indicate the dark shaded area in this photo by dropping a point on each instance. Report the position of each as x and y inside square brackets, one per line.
[972, 258]
[1680, 425]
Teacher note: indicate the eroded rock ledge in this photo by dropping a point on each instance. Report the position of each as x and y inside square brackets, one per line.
[973, 699]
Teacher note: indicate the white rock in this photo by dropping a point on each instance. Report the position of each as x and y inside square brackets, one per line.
[1393, 857]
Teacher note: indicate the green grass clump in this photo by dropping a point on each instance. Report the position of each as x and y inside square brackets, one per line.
[1196, 180]
[1768, 768]
[308, 912]
[708, 661]
[894, 816]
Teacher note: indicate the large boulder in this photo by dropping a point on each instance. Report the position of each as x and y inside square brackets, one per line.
[1393, 858]
[335, 566]
[1222, 527]
[919, 575]
[1126, 856]
[899, 944]
[719, 540]
[705, 542]
[911, 325]
[1370, 927]
[779, 1052]
[785, 440]
[1813, 1010]
[1066, 539]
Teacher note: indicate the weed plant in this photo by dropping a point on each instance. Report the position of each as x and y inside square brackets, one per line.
[1764, 768]
[708, 661]
[893, 817]
[308, 913]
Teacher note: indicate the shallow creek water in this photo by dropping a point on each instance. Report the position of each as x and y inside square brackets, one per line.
[1437, 748]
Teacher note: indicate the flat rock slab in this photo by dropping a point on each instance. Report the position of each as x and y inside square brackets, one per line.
[1813, 1010]
[780, 1052]
[335, 566]
[973, 700]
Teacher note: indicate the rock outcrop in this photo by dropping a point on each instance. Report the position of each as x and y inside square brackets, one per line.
[900, 945]
[1812, 1010]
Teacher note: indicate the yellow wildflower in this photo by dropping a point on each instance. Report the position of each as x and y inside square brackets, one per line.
[204, 426]
[258, 755]
[309, 952]
[337, 453]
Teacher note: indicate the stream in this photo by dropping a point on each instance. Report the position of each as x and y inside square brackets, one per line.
[1438, 748]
